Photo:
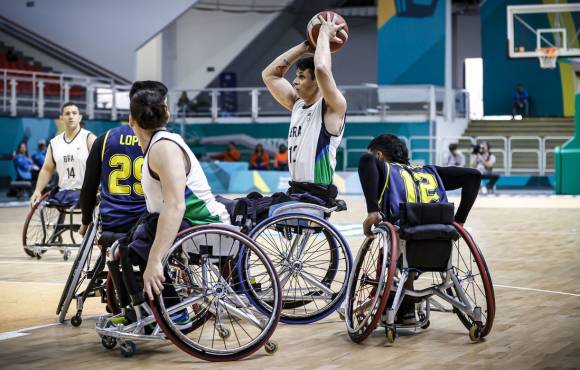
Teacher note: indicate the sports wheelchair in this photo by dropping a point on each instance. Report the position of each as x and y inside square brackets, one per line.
[208, 305]
[449, 267]
[88, 277]
[51, 225]
[312, 259]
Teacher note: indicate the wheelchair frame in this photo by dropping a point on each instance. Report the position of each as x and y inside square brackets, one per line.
[50, 238]
[86, 267]
[470, 315]
[295, 211]
[154, 312]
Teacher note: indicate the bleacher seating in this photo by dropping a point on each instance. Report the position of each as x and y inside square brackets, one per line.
[19, 65]
[531, 127]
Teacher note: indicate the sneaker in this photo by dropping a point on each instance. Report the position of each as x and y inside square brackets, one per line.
[406, 315]
[181, 319]
[119, 320]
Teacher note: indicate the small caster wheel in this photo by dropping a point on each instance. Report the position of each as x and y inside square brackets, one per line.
[391, 335]
[426, 325]
[475, 332]
[127, 348]
[108, 309]
[66, 255]
[271, 347]
[38, 255]
[108, 342]
[224, 333]
[76, 320]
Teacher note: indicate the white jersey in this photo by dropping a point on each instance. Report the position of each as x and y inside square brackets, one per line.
[200, 205]
[311, 149]
[70, 158]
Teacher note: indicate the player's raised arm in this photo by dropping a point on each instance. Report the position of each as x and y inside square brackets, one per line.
[334, 99]
[273, 75]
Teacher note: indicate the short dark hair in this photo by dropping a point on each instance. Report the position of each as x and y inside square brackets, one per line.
[148, 85]
[452, 147]
[69, 104]
[306, 63]
[393, 148]
[149, 109]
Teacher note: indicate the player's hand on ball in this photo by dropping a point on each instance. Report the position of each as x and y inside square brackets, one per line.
[373, 219]
[330, 27]
[153, 278]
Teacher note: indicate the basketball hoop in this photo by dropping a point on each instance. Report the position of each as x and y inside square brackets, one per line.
[547, 57]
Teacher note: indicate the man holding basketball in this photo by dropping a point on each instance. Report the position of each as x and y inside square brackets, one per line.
[318, 109]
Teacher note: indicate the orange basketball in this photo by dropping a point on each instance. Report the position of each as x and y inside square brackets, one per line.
[314, 27]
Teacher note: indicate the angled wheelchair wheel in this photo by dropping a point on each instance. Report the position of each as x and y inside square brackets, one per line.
[204, 308]
[313, 262]
[39, 226]
[476, 288]
[86, 263]
[370, 283]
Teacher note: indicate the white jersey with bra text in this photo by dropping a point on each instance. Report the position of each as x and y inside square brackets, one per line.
[70, 158]
[311, 149]
[200, 205]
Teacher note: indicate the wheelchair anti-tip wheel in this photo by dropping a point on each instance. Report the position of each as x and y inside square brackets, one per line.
[206, 287]
[313, 262]
[370, 284]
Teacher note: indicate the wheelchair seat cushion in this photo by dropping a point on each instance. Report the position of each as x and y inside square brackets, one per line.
[64, 199]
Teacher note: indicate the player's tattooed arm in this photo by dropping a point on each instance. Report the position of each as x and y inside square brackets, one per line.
[283, 67]
[273, 75]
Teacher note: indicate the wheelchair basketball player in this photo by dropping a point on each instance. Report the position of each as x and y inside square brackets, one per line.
[318, 113]
[164, 187]
[388, 179]
[66, 154]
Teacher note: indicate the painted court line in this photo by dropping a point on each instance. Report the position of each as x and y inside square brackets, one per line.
[24, 331]
[536, 290]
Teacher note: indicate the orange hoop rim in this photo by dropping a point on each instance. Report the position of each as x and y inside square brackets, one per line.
[550, 52]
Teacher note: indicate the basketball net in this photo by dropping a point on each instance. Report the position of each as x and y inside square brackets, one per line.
[548, 57]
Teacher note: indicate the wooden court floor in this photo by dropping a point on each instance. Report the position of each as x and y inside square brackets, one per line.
[532, 247]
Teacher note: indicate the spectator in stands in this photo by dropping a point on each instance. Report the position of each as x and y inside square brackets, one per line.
[521, 102]
[231, 154]
[281, 158]
[260, 160]
[183, 104]
[455, 157]
[22, 164]
[483, 160]
[38, 158]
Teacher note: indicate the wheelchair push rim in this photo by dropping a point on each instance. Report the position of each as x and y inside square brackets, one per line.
[370, 283]
[313, 262]
[225, 324]
[471, 269]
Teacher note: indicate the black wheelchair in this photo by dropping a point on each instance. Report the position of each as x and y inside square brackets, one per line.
[88, 277]
[51, 225]
[448, 268]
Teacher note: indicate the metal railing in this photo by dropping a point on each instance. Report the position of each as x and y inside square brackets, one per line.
[534, 157]
[41, 94]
